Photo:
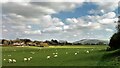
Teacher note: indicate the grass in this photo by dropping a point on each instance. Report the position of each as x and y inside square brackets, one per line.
[97, 56]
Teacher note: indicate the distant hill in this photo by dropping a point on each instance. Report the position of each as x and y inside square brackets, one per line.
[91, 41]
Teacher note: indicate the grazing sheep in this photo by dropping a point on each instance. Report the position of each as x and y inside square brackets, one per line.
[4, 59]
[53, 53]
[56, 53]
[48, 57]
[10, 60]
[87, 52]
[25, 59]
[55, 56]
[32, 52]
[29, 59]
[14, 61]
[66, 52]
[92, 49]
[76, 53]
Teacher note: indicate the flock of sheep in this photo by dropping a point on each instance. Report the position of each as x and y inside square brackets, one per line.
[14, 60]
[25, 59]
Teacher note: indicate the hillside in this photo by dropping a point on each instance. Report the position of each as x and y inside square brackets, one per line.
[91, 41]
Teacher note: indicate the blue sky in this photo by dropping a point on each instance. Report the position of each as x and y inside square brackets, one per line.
[77, 12]
[69, 21]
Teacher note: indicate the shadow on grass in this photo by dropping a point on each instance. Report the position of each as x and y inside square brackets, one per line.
[110, 58]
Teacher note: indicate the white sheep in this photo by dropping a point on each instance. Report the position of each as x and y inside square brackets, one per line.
[55, 56]
[14, 61]
[56, 53]
[87, 52]
[66, 52]
[76, 53]
[53, 53]
[10, 60]
[48, 57]
[92, 49]
[4, 59]
[32, 52]
[25, 59]
[29, 59]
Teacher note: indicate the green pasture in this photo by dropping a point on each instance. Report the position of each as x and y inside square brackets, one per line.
[97, 56]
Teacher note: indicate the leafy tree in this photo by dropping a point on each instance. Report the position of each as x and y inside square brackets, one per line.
[115, 39]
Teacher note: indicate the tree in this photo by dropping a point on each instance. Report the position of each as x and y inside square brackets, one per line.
[115, 39]
[118, 26]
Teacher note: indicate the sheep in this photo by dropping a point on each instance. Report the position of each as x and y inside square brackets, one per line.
[91, 49]
[10, 60]
[76, 53]
[87, 52]
[32, 52]
[48, 57]
[55, 56]
[53, 53]
[66, 52]
[56, 53]
[14, 61]
[4, 59]
[29, 59]
[25, 59]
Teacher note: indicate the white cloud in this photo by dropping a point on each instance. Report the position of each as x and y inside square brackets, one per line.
[57, 22]
[109, 30]
[104, 6]
[33, 32]
[53, 29]
[107, 21]
[109, 15]
[29, 26]
[5, 30]
[102, 11]
[37, 9]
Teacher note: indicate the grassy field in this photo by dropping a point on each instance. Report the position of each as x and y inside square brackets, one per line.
[86, 56]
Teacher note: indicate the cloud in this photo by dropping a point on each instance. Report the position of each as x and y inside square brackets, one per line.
[37, 9]
[33, 32]
[35, 20]
[109, 30]
[109, 15]
[104, 6]
[52, 29]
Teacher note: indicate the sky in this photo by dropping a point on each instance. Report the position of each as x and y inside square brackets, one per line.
[61, 20]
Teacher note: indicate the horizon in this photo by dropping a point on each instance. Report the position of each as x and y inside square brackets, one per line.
[70, 21]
